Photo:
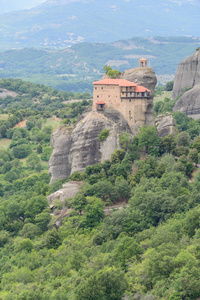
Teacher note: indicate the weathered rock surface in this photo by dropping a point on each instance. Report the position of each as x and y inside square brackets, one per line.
[4, 93]
[144, 77]
[165, 125]
[69, 190]
[59, 163]
[76, 149]
[189, 103]
[187, 74]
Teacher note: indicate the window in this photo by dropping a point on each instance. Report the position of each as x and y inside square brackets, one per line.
[108, 96]
[102, 88]
[95, 88]
[130, 114]
[129, 100]
[97, 96]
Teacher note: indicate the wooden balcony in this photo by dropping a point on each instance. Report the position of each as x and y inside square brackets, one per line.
[134, 95]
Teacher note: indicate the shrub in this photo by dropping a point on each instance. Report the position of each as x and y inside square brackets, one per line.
[103, 135]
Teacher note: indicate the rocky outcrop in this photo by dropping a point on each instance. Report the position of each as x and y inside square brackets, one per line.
[165, 125]
[143, 76]
[68, 190]
[59, 163]
[4, 93]
[74, 150]
[189, 103]
[187, 74]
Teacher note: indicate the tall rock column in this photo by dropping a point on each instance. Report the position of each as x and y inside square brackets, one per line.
[187, 74]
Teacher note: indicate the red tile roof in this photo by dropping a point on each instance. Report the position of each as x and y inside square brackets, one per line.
[120, 82]
[100, 102]
[143, 59]
[141, 89]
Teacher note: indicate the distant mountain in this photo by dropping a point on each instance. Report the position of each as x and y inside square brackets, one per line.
[75, 68]
[60, 23]
[13, 5]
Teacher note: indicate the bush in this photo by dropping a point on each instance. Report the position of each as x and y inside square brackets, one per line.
[103, 135]
[21, 151]
[169, 86]
[47, 151]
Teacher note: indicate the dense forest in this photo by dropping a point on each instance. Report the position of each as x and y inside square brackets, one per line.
[148, 249]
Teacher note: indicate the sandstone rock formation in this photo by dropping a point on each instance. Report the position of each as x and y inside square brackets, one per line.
[187, 74]
[144, 77]
[189, 103]
[74, 150]
[165, 125]
[68, 190]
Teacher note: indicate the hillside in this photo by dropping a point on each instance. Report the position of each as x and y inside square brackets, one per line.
[76, 67]
[148, 249]
[63, 23]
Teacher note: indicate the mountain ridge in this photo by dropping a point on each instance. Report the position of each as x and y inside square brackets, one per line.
[75, 68]
[60, 24]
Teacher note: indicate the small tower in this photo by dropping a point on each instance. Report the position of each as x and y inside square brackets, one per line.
[143, 63]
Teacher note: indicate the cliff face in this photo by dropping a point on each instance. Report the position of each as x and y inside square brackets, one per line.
[144, 77]
[187, 74]
[75, 150]
[189, 103]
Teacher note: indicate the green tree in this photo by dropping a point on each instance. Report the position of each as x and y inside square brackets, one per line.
[21, 151]
[46, 153]
[183, 139]
[109, 282]
[169, 86]
[196, 143]
[42, 220]
[149, 140]
[30, 231]
[78, 202]
[3, 131]
[117, 156]
[93, 212]
[167, 144]
[193, 155]
[24, 244]
[32, 160]
[39, 149]
[124, 140]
